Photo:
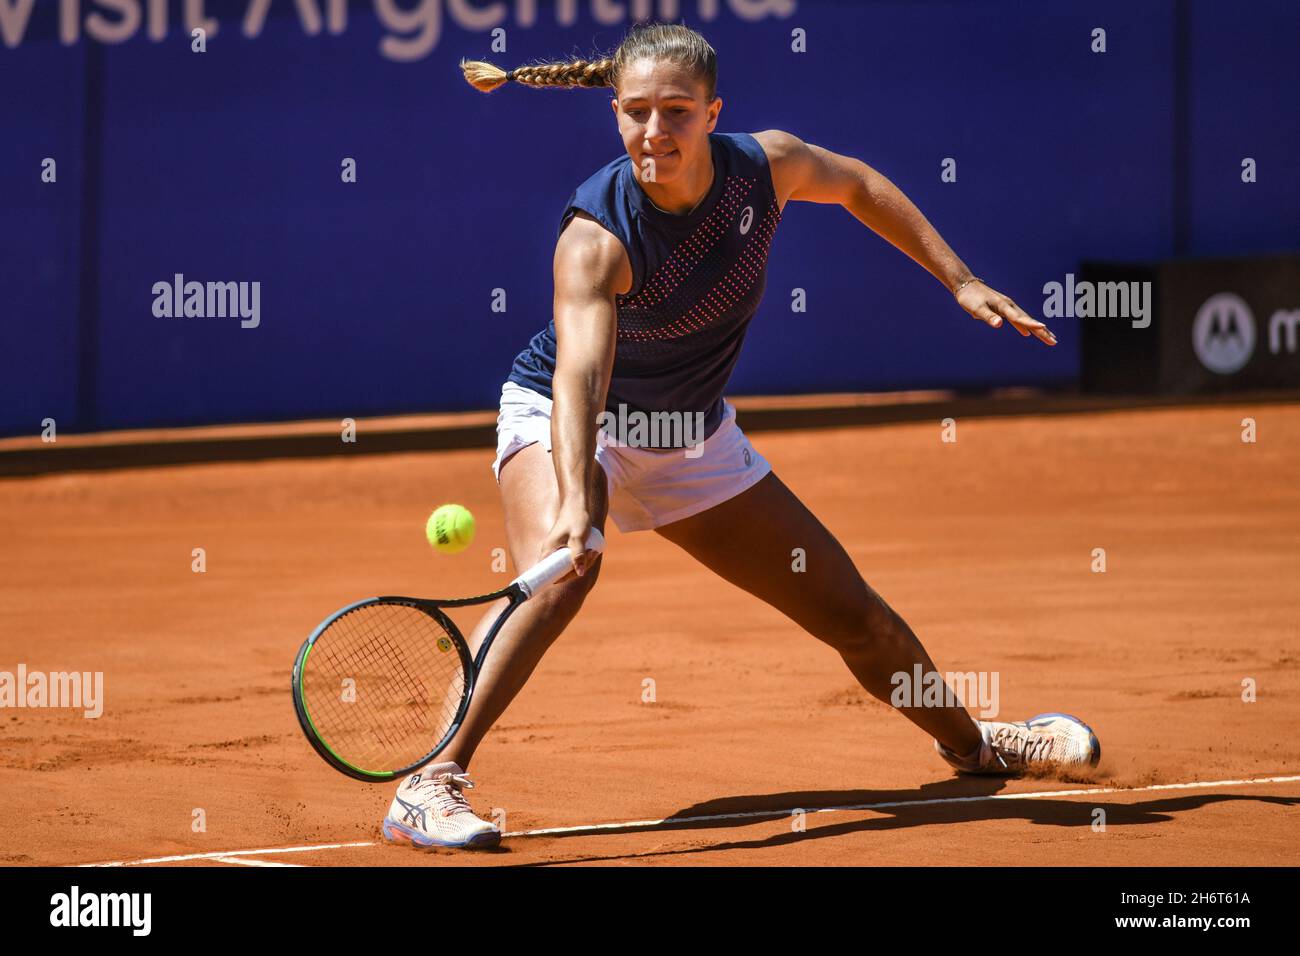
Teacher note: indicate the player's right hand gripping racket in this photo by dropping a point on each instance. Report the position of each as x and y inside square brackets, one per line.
[382, 686]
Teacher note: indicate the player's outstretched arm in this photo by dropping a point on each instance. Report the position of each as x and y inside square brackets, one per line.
[590, 268]
[802, 171]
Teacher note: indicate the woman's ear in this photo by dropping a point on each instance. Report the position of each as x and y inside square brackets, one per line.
[714, 109]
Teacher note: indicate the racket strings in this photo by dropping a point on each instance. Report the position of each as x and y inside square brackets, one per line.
[383, 684]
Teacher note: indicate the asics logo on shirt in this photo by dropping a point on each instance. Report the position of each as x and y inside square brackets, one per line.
[746, 219]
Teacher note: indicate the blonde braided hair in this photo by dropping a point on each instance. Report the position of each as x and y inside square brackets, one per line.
[673, 42]
[486, 77]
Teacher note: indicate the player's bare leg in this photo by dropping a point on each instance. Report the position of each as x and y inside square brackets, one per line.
[748, 540]
[531, 499]
[430, 808]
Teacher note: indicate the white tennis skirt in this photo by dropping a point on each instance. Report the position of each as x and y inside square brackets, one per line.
[647, 487]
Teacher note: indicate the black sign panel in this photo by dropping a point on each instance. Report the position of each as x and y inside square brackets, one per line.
[1219, 325]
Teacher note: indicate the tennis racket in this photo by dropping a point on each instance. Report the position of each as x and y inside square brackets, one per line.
[381, 686]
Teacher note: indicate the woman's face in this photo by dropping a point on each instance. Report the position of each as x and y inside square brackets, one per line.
[663, 119]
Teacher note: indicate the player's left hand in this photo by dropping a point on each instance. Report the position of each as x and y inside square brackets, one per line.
[992, 307]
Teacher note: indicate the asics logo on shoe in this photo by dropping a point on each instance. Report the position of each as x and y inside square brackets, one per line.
[414, 814]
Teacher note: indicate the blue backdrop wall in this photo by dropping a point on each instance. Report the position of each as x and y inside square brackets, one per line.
[377, 296]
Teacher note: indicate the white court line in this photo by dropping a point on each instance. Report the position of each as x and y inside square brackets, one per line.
[225, 853]
[252, 862]
[744, 815]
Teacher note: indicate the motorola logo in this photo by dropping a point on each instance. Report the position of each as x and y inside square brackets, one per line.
[1223, 333]
[746, 219]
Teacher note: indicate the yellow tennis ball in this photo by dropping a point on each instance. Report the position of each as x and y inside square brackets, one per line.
[450, 529]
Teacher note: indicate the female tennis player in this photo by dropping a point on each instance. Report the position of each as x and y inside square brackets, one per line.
[659, 267]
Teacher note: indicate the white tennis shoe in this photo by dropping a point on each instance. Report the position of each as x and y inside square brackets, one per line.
[1044, 742]
[430, 810]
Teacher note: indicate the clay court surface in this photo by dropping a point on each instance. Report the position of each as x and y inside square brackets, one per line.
[985, 546]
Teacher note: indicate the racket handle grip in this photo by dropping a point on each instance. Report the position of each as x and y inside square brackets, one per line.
[555, 566]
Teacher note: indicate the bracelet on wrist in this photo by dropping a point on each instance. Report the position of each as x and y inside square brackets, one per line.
[962, 285]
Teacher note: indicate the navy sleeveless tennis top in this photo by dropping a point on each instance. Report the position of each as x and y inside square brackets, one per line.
[696, 283]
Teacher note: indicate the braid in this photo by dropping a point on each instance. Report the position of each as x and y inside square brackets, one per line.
[669, 42]
[573, 73]
[588, 73]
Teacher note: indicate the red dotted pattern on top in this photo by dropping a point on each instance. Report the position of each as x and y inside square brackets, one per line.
[654, 313]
